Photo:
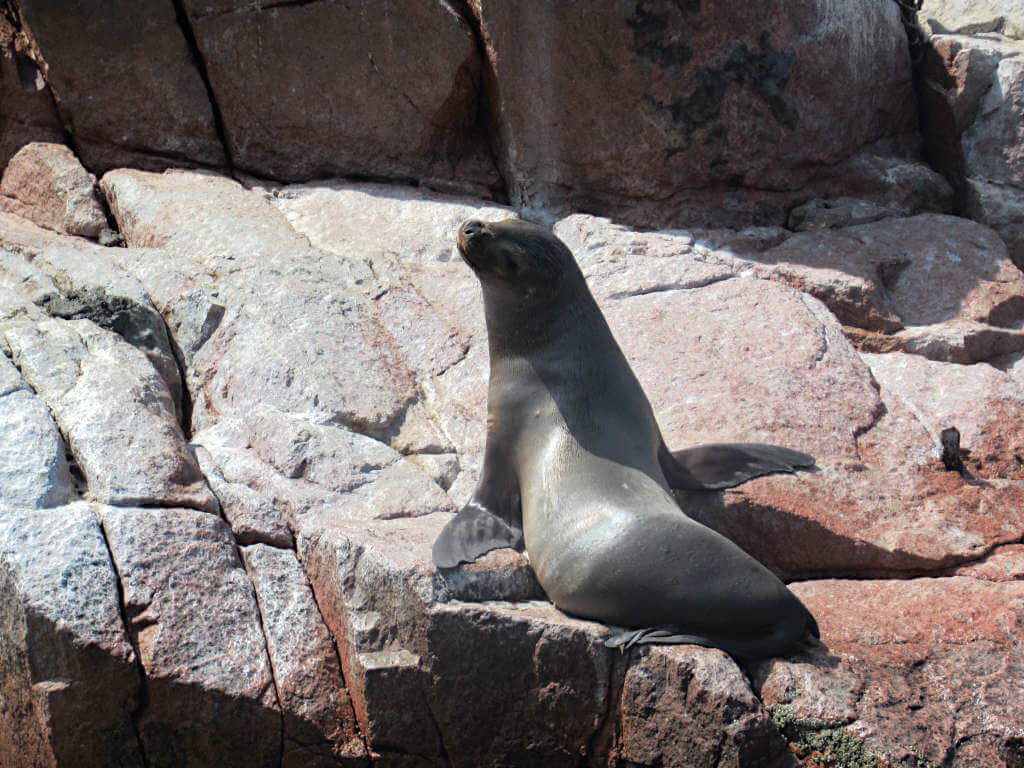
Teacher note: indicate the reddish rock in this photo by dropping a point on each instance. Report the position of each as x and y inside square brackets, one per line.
[386, 92]
[933, 667]
[899, 272]
[708, 114]
[69, 680]
[28, 113]
[319, 723]
[193, 616]
[45, 183]
[503, 683]
[126, 83]
[1004, 564]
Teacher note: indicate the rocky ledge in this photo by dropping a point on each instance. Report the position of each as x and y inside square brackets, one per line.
[226, 449]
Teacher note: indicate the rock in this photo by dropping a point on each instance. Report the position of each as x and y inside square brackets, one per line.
[45, 183]
[92, 287]
[33, 468]
[417, 63]
[920, 270]
[192, 614]
[126, 82]
[28, 111]
[115, 412]
[255, 517]
[969, 17]
[233, 244]
[972, 110]
[955, 341]
[984, 403]
[1004, 564]
[835, 214]
[760, 114]
[69, 680]
[319, 723]
[306, 467]
[404, 634]
[908, 647]
[1001, 207]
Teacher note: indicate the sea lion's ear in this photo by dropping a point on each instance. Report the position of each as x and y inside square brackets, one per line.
[471, 533]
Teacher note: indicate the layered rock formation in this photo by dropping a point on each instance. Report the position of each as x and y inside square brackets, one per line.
[227, 446]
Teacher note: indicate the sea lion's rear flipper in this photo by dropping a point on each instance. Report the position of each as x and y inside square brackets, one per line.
[716, 466]
[470, 534]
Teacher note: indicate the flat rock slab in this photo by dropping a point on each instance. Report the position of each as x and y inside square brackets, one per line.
[46, 183]
[69, 680]
[921, 670]
[33, 466]
[115, 411]
[193, 616]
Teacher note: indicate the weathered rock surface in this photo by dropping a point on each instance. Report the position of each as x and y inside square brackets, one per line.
[45, 182]
[913, 668]
[125, 83]
[336, 470]
[193, 617]
[757, 118]
[33, 467]
[69, 684]
[973, 107]
[27, 112]
[415, 62]
[115, 411]
[970, 17]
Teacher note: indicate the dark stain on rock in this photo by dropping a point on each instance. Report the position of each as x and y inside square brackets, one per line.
[764, 72]
[658, 40]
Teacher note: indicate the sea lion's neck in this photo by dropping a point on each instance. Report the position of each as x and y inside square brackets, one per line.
[522, 327]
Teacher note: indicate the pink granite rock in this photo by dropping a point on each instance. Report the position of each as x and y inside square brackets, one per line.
[709, 113]
[933, 672]
[28, 112]
[193, 616]
[295, 118]
[126, 84]
[47, 184]
[115, 411]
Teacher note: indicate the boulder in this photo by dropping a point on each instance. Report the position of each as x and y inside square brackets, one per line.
[296, 118]
[44, 182]
[971, 108]
[710, 114]
[126, 83]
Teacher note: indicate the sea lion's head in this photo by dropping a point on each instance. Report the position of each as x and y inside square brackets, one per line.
[515, 258]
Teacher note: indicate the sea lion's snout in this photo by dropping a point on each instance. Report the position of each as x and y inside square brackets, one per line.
[468, 230]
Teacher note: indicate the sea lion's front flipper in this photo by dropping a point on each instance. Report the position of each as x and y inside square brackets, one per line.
[471, 533]
[716, 466]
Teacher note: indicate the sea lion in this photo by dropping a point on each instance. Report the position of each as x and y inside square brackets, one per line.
[576, 469]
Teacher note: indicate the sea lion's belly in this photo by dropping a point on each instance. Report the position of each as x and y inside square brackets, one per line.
[608, 542]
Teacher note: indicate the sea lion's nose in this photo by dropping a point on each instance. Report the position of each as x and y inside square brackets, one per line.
[471, 228]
